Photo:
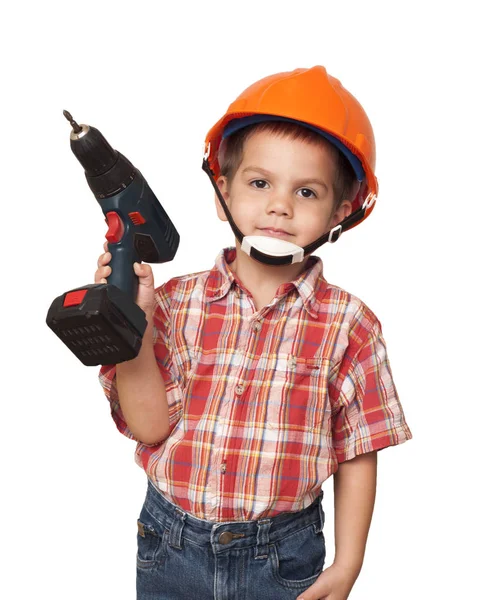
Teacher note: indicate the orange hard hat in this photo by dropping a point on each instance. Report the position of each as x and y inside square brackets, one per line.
[318, 100]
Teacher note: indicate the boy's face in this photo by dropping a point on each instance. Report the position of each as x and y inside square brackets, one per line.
[283, 184]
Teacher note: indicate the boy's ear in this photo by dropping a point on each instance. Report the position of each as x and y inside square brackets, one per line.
[223, 186]
[341, 213]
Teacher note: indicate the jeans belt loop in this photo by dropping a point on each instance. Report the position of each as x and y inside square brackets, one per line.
[175, 534]
[263, 538]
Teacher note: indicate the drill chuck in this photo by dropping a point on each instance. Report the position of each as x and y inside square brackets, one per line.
[107, 171]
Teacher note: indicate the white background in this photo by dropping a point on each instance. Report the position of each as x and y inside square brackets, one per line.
[154, 77]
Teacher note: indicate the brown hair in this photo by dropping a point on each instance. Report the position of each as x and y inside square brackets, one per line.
[232, 149]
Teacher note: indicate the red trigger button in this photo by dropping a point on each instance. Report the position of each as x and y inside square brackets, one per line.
[116, 227]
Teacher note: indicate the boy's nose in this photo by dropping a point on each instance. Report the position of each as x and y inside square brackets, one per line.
[280, 204]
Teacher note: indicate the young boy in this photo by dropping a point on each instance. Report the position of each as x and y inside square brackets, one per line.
[257, 380]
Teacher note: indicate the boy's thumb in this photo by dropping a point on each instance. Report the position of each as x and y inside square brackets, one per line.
[142, 270]
[139, 268]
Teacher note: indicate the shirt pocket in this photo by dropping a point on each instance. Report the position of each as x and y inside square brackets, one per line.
[299, 392]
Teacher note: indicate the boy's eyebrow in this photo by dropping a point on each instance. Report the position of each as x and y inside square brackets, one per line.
[257, 170]
[299, 182]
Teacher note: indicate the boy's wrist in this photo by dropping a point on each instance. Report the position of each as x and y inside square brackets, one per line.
[150, 322]
[350, 567]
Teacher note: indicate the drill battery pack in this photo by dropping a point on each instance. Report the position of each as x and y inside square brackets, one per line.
[99, 323]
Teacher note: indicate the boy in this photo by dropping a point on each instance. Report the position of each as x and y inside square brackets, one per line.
[258, 380]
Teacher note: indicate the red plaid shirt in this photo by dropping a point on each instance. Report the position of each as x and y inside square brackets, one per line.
[263, 404]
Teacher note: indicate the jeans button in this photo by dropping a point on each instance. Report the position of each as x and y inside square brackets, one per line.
[226, 537]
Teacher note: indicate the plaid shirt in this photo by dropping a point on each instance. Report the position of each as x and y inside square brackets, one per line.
[263, 405]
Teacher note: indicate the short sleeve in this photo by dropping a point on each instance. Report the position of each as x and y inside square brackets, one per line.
[163, 354]
[367, 413]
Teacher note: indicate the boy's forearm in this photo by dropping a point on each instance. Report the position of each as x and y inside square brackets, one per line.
[142, 396]
[354, 497]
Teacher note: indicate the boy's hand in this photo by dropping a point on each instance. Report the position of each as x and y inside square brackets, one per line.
[335, 583]
[145, 291]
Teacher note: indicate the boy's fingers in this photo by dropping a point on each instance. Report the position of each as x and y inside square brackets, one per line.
[104, 259]
[103, 272]
[99, 277]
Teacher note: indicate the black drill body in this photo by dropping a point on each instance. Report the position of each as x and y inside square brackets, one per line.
[100, 323]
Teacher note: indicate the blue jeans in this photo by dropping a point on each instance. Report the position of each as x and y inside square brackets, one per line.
[181, 557]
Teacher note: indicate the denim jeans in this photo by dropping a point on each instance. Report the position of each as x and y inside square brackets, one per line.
[181, 557]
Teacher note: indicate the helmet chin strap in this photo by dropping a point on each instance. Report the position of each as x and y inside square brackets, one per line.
[272, 251]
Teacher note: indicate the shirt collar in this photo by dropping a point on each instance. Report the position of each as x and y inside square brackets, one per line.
[310, 284]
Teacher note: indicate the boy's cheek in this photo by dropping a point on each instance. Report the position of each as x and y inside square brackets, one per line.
[219, 210]
[244, 207]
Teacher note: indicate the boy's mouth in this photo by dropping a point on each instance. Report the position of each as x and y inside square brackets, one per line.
[273, 231]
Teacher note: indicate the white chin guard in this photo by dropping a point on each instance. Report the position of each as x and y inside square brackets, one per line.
[273, 247]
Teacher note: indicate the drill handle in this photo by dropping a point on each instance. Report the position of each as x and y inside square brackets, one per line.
[123, 275]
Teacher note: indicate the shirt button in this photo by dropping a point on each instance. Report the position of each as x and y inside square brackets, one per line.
[257, 326]
[239, 389]
[292, 362]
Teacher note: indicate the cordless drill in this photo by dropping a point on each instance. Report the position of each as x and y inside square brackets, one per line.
[100, 323]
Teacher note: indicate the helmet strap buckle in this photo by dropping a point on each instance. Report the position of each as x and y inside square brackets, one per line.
[370, 200]
[207, 150]
[337, 230]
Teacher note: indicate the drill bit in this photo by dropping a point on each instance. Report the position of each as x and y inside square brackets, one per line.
[76, 128]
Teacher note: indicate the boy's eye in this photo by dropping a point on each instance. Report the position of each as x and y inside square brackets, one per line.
[259, 183]
[307, 193]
